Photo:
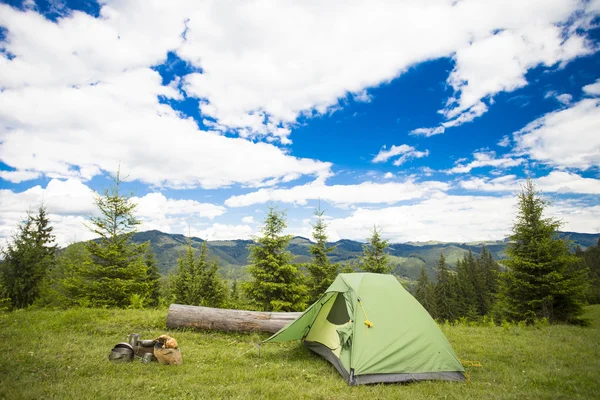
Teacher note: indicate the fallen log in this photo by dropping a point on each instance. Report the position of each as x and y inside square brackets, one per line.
[182, 316]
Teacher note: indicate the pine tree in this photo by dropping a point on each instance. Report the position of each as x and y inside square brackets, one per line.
[347, 268]
[152, 276]
[234, 294]
[182, 282]
[541, 280]
[28, 260]
[489, 272]
[277, 284]
[466, 290]
[322, 271]
[375, 259]
[118, 271]
[68, 289]
[197, 281]
[212, 289]
[445, 292]
[590, 260]
[424, 292]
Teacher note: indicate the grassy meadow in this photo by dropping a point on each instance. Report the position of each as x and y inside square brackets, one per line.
[63, 354]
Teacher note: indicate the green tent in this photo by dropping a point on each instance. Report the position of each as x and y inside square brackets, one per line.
[372, 330]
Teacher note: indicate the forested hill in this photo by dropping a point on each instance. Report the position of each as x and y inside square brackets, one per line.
[406, 257]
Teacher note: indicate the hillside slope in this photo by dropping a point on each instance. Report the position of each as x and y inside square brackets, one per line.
[407, 258]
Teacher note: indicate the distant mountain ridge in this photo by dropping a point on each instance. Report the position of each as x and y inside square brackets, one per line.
[407, 258]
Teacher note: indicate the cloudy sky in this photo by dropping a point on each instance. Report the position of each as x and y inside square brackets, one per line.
[421, 116]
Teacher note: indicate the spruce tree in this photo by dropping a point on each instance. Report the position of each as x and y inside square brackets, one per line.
[445, 292]
[64, 286]
[541, 280]
[234, 294]
[277, 284]
[28, 260]
[489, 272]
[424, 292]
[374, 258]
[590, 259]
[466, 290]
[118, 271]
[182, 281]
[197, 281]
[152, 276]
[322, 271]
[213, 291]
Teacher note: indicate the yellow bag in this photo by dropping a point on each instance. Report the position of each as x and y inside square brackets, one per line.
[166, 351]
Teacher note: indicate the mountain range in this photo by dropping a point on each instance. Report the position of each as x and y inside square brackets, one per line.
[406, 258]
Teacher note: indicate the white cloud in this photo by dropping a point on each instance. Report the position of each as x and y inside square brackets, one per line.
[223, 232]
[554, 182]
[67, 203]
[70, 202]
[576, 217]
[563, 98]
[362, 97]
[388, 175]
[248, 219]
[405, 151]
[19, 176]
[504, 142]
[486, 159]
[343, 195]
[499, 62]
[254, 80]
[154, 203]
[76, 87]
[566, 138]
[428, 132]
[593, 89]
[444, 218]
[70, 132]
[455, 218]
[255, 69]
[60, 197]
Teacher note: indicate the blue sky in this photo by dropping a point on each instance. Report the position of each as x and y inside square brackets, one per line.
[423, 118]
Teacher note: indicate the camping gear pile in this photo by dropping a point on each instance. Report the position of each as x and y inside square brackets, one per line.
[163, 349]
[372, 330]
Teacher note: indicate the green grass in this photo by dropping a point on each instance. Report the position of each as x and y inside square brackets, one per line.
[63, 354]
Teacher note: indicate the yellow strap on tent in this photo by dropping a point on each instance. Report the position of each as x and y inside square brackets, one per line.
[467, 363]
[368, 323]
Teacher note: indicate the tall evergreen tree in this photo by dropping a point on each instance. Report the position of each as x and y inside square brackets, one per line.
[213, 291]
[277, 284]
[445, 292]
[197, 281]
[152, 276]
[466, 290]
[63, 287]
[186, 279]
[489, 272]
[28, 260]
[541, 280]
[322, 271]
[118, 270]
[234, 293]
[424, 292]
[374, 258]
[590, 260]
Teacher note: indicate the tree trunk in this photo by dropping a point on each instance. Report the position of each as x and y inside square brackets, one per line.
[182, 316]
